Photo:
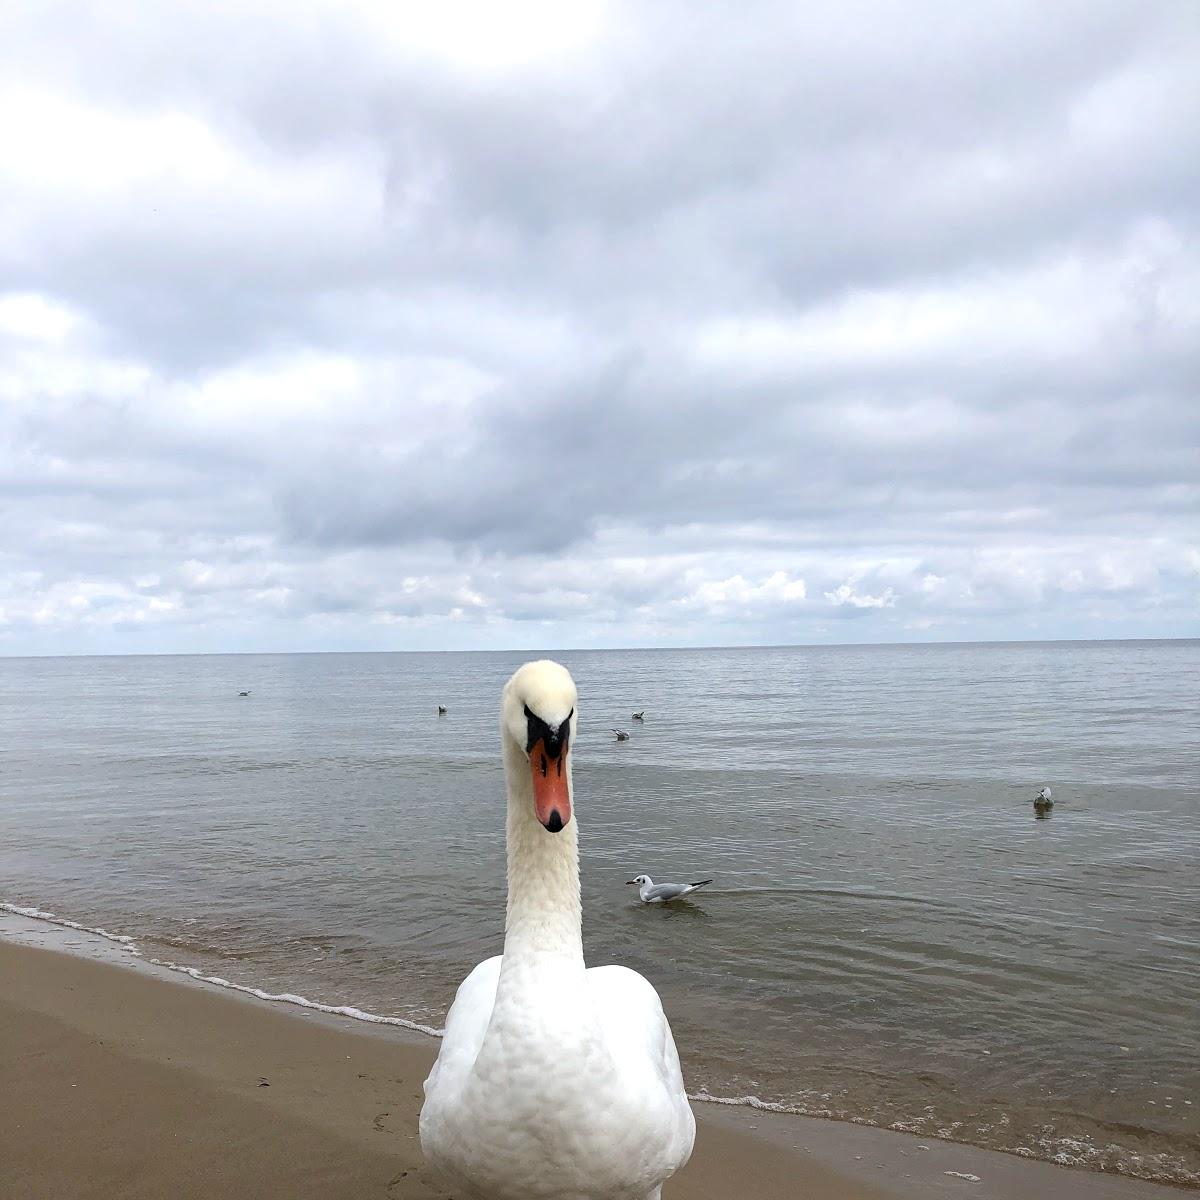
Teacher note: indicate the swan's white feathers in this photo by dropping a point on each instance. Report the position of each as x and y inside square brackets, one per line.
[466, 1025]
[546, 688]
[639, 1038]
[599, 1105]
[553, 1082]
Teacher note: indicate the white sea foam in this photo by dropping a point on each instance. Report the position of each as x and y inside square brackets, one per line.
[795, 1109]
[127, 943]
[39, 914]
[339, 1010]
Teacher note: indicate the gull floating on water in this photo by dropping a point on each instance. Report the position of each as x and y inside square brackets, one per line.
[245, 693]
[659, 893]
[622, 736]
[441, 710]
[1043, 800]
[637, 716]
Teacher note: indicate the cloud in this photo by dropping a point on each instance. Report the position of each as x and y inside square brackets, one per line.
[846, 595]
[366, 326]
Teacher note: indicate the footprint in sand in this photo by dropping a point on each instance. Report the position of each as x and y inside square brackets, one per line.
[420, 1177]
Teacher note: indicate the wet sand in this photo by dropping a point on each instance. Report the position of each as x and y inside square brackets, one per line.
[118, 1079]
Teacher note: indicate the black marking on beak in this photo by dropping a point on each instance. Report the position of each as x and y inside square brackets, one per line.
[554, 738]
[555, 823]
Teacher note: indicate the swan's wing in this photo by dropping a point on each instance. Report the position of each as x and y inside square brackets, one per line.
[638, 1037]
[466, 1024]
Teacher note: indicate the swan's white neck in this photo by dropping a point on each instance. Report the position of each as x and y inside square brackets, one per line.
[544, 915]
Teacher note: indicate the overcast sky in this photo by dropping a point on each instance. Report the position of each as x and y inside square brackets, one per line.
[351, 326]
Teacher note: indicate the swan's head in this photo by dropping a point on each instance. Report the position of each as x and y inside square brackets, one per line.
[537, 715]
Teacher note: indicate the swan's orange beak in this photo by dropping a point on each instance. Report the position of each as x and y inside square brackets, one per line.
[551, 796]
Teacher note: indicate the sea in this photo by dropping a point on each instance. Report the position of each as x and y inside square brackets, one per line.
[892, 936]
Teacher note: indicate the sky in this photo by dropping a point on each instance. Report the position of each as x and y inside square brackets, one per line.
[349, 326]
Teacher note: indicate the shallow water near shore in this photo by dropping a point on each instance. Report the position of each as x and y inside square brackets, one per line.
[892, 937]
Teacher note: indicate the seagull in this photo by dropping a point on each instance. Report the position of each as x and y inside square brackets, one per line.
[1043, 800]
[245, 693]
[441, 710]
[659, 893]
[622, 736]
[638, 716]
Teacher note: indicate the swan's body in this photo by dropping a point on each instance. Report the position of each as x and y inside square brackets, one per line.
[650, 892]
[554, 1082]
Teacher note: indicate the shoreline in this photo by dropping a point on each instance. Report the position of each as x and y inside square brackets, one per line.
[98, 1050]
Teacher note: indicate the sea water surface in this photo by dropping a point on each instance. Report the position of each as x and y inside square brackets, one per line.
[892, 936]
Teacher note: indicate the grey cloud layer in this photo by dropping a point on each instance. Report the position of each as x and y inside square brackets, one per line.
[728, 326]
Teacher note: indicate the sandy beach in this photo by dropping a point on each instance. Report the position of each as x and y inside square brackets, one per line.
[119, 1079]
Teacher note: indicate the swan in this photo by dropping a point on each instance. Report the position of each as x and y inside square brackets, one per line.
[554, 1082]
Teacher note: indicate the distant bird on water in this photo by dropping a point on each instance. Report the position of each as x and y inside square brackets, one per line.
[1043, 800]
[245, 693]
[622, 736]
[441, 710]
[638, 716]
[650, 892]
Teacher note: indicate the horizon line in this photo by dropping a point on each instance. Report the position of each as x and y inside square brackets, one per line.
[607, 649]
